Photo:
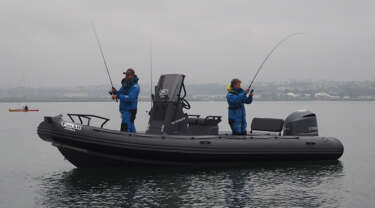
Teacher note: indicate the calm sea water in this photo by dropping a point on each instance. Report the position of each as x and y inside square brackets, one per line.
[34, 174]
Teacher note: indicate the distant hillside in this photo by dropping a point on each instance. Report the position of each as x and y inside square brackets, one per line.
[289, 90]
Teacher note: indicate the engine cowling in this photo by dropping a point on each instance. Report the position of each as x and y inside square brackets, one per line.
[301, 123]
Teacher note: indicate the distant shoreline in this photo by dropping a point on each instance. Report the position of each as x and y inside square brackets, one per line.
[265, 91]
[50, 100]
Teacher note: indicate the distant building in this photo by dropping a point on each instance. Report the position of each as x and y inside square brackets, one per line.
[324, 95]
[291, 94]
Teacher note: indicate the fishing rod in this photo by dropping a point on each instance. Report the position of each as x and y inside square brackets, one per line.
[270, 53]
[102, 54]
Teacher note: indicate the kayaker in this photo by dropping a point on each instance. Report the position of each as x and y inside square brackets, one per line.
[128, 96]
[236, 98]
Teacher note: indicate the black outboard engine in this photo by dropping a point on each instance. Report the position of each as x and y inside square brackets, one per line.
[301, 123]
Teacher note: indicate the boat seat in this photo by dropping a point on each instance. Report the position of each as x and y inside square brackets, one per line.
[208, 121]
[203, 126]
[267, 124]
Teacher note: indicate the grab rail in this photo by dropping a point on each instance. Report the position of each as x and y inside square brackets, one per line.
[88, 117]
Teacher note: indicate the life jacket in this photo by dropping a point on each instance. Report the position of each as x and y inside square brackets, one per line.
[127, 84]
[129, 87]
[234, 106]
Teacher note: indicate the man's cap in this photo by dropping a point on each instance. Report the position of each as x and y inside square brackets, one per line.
[129, 71]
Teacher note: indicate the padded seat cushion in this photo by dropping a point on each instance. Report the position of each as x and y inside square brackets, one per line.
[267, 124]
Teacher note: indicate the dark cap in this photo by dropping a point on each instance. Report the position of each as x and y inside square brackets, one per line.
[129, 71]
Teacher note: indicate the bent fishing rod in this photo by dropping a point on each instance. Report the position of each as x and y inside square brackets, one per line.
[102, 54]
[270, 53]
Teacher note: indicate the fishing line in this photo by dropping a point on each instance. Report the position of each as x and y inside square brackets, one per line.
[270, 53]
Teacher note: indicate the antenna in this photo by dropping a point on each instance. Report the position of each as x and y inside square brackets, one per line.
[151, 84]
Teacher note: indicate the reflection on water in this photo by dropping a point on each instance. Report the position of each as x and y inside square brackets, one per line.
[312, 184]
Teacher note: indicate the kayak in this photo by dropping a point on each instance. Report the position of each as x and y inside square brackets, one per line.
[23, 110]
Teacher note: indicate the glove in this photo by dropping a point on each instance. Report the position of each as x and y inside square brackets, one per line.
[113, 91]
[251, 93]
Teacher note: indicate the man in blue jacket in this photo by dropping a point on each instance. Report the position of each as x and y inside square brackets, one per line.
[236, 98]
[128, 96]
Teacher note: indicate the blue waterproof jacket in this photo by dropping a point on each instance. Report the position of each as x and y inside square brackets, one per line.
[236, 109]
[128, 95]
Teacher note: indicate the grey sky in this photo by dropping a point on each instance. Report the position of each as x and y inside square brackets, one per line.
[50, 43]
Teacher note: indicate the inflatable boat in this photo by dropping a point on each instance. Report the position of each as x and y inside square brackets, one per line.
[175, 138]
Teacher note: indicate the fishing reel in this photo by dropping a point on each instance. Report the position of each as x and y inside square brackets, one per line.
[113, 92]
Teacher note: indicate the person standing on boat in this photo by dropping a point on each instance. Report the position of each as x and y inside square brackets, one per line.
[128, 96]
[236, 98]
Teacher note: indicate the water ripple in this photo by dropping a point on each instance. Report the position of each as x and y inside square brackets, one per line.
[271, 185]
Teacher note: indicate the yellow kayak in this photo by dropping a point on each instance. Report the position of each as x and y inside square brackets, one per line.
[23, 110]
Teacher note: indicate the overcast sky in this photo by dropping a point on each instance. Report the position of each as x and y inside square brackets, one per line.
[50, 43]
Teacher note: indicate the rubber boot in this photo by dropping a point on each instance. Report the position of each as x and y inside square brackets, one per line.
[124, 127]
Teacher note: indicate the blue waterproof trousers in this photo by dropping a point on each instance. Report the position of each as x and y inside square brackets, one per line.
[128, 118]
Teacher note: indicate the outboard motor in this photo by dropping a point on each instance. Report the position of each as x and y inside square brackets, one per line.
[301, 123]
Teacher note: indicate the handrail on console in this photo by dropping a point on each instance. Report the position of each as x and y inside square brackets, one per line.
[88, 117]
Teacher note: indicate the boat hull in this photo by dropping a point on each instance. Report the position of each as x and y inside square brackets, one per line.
[86, 146]
[84, 158]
